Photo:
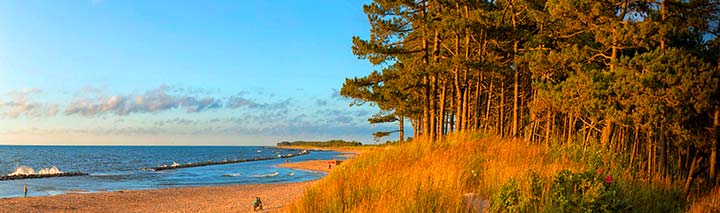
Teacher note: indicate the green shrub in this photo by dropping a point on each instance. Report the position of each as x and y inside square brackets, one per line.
[566, 192]
[583, 192]
[508, 199]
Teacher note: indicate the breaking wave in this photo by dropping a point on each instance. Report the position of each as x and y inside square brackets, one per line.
[232, 175]
[26, 170]
[267, 175]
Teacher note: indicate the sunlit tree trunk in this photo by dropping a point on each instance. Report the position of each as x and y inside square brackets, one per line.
[458, 92]
[477, 110]
[691, 174]
[633, 152]
[465, 111]
[501, 107]
[488, 103]
[401, 128]
[714, 149]
[515, 88]
[531, 134]
[606, 135]
[466, 101]
[548, 121]
[435, 117]
[441, 113]
[663, 17]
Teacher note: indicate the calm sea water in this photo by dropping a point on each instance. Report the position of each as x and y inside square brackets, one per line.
[114, 168]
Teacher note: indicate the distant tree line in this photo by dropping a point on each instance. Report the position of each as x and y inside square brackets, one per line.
[637, 77]
[330, 143]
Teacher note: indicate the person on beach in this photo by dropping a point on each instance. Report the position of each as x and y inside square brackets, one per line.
[257, 204]
[25, 189]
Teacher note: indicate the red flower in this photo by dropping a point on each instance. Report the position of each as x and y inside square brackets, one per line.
[608, 179]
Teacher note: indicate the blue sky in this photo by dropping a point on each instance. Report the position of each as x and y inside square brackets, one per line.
[179, 72]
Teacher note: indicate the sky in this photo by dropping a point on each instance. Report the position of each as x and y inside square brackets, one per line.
[111, 72]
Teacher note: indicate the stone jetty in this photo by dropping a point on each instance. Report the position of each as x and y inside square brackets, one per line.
[30, 176]
[209, 163]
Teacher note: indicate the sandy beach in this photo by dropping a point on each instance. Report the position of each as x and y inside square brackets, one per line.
[314, 165]
[230, 198]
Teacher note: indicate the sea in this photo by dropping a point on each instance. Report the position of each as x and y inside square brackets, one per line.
[114, 168]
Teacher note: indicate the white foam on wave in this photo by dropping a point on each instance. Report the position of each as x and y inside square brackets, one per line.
[26, 170]
[52, 170]
[174, 164]
[232, 175]
[267, 175]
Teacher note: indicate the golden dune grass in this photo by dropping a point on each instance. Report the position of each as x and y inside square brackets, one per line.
[427, 176]
[709, 202]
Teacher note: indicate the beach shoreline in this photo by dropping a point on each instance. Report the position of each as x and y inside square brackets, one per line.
[225, 198]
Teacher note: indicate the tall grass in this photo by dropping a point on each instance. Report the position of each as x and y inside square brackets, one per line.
[427, 176]
[709, 202]
[514, 176]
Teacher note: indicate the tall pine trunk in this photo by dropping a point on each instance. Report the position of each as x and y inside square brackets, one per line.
[714, 148]
[531, 134]
[435, 119]
[515, 92]
[489, 103]
[433, 108]
[425, 121]
[458, 102]
[466, 99]
[606, 136]
[477, 110]
[501, 118]
[465, 111]
[548, 122]
[441, 113]
[426, 108]
[636, 141]
[401, 128]
[691, 174]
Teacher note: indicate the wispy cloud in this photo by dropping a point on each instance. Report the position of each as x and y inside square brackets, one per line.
[237, 101]
[155, 100]
[279, 105]
[320, 102]
[21, 105]
[240, 101]
[336, 94]
[92, 102]
[337, 123]
[256, 114]
[175, 121]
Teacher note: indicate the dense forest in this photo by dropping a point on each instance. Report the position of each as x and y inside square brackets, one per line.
[640, 78]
